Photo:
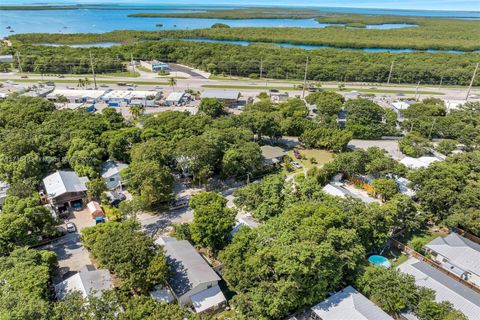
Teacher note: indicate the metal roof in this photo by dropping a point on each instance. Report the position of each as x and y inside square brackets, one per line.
[349, 304]
[175, 96]
[85, 281]
[207, 299]
[188, 267]
[221, 94]
[271, 152]
[111, 168]
[446, 288]
[459, 250]
[62, 182]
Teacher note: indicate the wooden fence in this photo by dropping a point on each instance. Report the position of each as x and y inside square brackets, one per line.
[465, 234]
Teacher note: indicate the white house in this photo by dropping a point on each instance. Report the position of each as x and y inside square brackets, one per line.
[417, 163]
[117, 98]
[458, 255]
[77, 96]
[446, 288]
[193, 281]
[348, 304]
[87, 281]
[175, 99]
[111, 173]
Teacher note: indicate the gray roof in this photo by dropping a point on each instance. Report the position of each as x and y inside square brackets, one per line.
[87, 281]
[349, 304]
[221, 94]
[62, 182]
[188, 267]
[459, 250]
[272, 153]
[111, 167]
[446, 288]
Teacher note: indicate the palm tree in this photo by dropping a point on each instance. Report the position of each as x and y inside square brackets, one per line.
[81, 83]
[136, 111]
[172, 82]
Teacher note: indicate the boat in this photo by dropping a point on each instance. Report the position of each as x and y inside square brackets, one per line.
[159, 25]
[9, 27]
[12, 30]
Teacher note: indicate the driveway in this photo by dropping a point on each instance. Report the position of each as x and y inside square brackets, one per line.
[72, 256]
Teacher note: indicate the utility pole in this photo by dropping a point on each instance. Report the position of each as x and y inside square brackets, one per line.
[93, 71]
[305, 78]
[390, 73]
[19, 63]
[261, 67]
[471, 82]
[431, 129]
[416, 91]
[132, 62]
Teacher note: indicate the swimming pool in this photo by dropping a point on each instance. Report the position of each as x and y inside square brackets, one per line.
[379, 261]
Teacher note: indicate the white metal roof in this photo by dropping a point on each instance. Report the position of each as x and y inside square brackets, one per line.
[416, 163]
[333, 191]
[349, 304]
[446, 288]
[207, 299]
[62, 182]
[459, 250]
[175, 96]
[400, 105]
[128, 94]
[221, 94]
[76, 94]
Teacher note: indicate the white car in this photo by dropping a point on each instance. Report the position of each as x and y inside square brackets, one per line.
[296, 164]
[71, 227]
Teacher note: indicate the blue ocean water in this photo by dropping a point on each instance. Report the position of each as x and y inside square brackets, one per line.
[114, 16]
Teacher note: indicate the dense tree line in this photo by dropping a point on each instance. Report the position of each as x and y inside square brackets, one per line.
[218, 58]
[449, 190]
[309, 244]
[431, 119]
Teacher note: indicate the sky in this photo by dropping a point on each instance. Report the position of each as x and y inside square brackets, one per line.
[461, 5]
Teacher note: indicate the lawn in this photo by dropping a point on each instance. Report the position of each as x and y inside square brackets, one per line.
[158, 83]
[321, 157]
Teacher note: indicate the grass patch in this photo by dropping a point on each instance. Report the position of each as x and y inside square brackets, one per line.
[420, 238]
[98, 81]
[321, 158]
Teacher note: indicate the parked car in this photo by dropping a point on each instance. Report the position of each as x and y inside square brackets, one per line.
[71, 227]
[178, 204]
[24, 77]
[296, 164]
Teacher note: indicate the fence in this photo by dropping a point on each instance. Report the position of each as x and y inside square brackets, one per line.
[465, 234]
[410, 252]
